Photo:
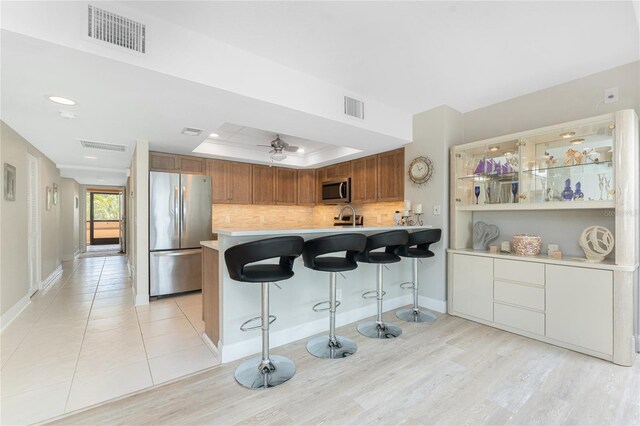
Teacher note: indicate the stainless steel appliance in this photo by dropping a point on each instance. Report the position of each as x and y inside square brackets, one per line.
[336, 191]
[179, 218]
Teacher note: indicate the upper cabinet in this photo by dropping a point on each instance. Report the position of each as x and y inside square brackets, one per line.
[364, 176]
[565, 166]
[230, 182]
[162, 162]
[263, 184]
[286, 185]
[391, 175]
[307, 187]
[336, 171]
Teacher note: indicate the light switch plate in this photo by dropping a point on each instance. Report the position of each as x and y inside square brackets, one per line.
[436, 210]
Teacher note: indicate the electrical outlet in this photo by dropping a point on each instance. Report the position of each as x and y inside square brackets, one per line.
[339, 295]
[436, 210]
[611, 95]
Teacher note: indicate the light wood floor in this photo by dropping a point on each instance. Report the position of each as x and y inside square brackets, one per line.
[452, 372]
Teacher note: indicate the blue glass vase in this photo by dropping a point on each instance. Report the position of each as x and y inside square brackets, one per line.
[567, 193]
[578, 194]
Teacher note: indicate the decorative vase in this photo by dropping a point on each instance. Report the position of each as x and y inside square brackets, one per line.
[567, 193]
[578, 194]
[526, 244]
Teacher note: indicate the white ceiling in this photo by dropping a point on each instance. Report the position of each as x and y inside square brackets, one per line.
[411, 55]
[418, 55]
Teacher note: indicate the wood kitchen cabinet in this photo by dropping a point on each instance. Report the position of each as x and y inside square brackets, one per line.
[286, 185]
[263, 178]
[161, 162]
[391, 175]
[337, 171]
[307, 186]
[230, 182]
[364, 175]
[192, 165]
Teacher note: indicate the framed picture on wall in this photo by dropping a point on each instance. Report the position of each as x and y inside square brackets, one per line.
[9, 182]
[55, 194]
[49, 197]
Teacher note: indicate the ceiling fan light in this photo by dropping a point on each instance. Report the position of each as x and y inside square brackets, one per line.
[278, 156]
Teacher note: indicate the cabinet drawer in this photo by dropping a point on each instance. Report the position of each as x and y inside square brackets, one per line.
[518, 294]
[516, 270]
[521, 319]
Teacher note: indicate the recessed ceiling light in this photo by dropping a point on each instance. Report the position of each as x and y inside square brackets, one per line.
[90, 157]
[576, 141]
[494, 148]
[68, 115]
[300, 150]
[566, 135]
[214, 135]
[508, 153]
[61, 100]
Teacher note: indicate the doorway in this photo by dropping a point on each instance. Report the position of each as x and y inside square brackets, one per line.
[104, 225]
[33, 226]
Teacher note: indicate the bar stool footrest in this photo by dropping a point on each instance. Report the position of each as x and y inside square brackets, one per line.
[372, 294]
[317, 309]
[407, 285]
[244, 327]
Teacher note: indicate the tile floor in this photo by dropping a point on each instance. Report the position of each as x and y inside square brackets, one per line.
[81, 341]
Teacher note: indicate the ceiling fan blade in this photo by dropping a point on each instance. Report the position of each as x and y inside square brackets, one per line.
[291, 148]
[268, 146]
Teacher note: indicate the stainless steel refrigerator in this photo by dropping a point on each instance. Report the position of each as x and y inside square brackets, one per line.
[179, 218]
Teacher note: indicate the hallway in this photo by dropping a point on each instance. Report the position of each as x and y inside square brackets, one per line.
[81, 341]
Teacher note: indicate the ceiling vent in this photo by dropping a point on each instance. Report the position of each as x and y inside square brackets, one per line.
[191, 131]
[103, 146]
[354, 107]
[115, 29]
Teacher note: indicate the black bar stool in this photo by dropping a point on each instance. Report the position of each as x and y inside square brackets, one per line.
[391, 241]
[265, 371]
[421, 240]
[332, 346]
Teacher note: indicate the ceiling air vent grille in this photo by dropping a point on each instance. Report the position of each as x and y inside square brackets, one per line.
[103, 146]
[354, 107]
[116, 29]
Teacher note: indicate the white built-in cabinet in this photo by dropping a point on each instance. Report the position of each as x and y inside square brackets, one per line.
[586, 307]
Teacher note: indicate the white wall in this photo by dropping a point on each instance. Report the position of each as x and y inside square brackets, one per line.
[434, 132]
[70, 218]
[13, 245]
[139, 222]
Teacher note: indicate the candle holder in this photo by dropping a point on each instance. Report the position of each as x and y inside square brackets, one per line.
[418, 219]
[407, 221]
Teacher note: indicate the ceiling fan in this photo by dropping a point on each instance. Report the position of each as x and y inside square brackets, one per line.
[278, 146]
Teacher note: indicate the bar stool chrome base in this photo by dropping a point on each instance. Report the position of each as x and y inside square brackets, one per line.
[415, 315]
[319, 346]
[377, 330]
[248, 373]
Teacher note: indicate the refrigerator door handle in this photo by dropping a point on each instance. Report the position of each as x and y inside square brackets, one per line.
[176, 212]
[183, 218]
[176, 253]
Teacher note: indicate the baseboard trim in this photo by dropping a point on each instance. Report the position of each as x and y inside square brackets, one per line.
[142, 299]
[13, 312]
[433, 304]
[209, 343]
[52, 276]
[247, 347]
[67, 258]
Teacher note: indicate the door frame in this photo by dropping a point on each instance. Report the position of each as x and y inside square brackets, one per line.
[92, 239]
[35, 282]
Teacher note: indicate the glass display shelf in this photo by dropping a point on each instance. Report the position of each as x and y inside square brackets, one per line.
[563, 165]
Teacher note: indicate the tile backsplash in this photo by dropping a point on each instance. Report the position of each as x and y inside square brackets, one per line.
[261, 216]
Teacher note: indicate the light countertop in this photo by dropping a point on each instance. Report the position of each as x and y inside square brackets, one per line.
[244, 232]
[215, 245]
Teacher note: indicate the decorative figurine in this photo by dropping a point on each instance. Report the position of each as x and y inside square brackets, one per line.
[597, 243]
[607, 186]
[497, 167]
[481, 168]
[577, 194]
[476, 191]
[601, 178]
[483, 235]
[567, 193]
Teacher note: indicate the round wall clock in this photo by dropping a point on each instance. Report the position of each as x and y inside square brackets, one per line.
[420, 170]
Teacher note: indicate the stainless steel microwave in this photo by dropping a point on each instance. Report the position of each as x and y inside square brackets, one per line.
[336, 191]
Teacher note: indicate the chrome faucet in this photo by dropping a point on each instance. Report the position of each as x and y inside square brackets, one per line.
[353, 213]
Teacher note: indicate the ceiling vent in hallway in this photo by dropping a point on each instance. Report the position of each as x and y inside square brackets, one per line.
[354, 107]
[116, 29]
[103, 146]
